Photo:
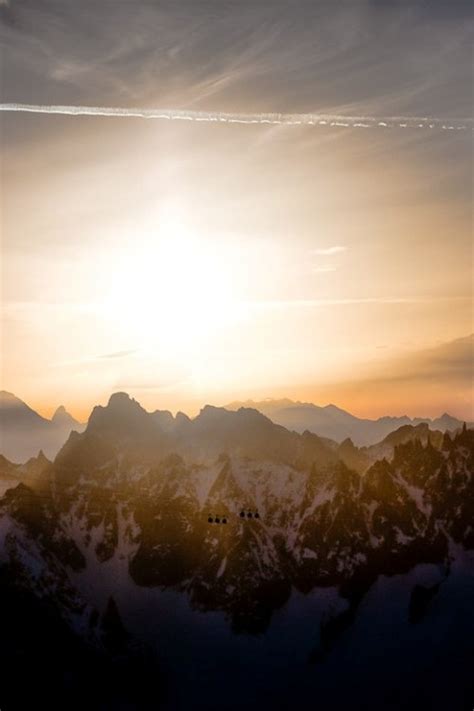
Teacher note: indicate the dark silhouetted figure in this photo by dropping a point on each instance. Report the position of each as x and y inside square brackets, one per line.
[249, 515]
[210, 519]
[257, 515]
[224, 520]
[218, 519]
[242, 514]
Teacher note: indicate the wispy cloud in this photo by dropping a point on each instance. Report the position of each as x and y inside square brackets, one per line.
[311, 303]
[161, 386]
[421, 382]
[447, 362]
[144, 50]
[281, 119]
[118, 354]
[328, 251]
[324, 269]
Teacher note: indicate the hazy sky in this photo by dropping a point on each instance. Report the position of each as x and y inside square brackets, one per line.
[190, 263]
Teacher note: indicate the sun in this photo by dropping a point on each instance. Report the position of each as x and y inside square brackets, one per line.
[174, 290]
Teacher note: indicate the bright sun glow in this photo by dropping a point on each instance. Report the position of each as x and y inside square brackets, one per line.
[173, 289]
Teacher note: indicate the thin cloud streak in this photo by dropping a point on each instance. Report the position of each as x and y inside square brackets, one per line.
[310, 303]
[117, 354]
[286, 119]
[329, 251]
[323, 270]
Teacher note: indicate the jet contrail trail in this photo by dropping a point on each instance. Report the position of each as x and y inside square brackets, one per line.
[284, 119]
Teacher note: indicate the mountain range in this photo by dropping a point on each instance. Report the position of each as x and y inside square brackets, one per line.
[333, 422]
[154, 532]
[23, 432]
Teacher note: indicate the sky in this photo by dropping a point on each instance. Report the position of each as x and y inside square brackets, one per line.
[188, 263]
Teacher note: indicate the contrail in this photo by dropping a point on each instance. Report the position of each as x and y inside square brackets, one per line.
[285, 119]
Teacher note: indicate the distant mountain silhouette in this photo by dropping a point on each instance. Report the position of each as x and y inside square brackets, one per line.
[62, 418]
[14, 411]
[31, 472]
[337, 424]
[23, 432]
[242, 427]
[245, 432]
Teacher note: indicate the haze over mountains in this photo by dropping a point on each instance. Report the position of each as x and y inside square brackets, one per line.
[330, 421]
[23, 432]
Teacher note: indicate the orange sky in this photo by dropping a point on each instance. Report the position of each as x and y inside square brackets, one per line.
[137, 270]
[189, 263]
